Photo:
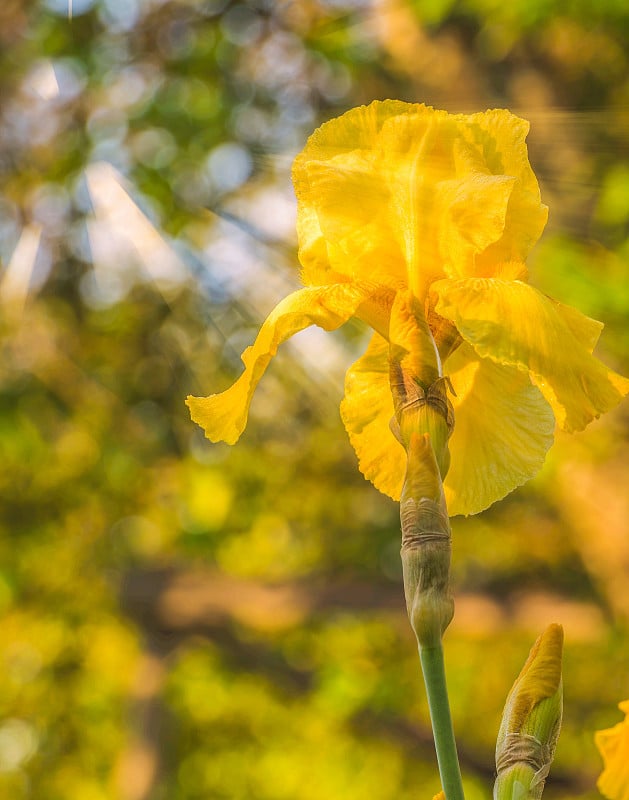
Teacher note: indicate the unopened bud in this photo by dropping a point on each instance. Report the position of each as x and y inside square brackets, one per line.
[425, 544]
[531, 722]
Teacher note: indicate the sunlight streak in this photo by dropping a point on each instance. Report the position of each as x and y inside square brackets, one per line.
[121, 236]
[15, 282]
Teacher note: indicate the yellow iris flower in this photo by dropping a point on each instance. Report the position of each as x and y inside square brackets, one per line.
[408, 214]
[613, 744]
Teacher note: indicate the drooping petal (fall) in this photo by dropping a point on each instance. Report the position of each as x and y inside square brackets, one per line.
[613, 745]
[224, 416]
[514, 324]
[503, 430]
[367, 410]
[503, 427]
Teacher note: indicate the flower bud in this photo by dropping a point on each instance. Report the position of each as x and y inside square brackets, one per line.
[425, 544]
[531, 722]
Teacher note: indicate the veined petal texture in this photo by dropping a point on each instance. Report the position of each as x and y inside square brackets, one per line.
[513, 324]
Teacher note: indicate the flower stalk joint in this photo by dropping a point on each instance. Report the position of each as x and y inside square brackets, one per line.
[422, 411]
[426, 544]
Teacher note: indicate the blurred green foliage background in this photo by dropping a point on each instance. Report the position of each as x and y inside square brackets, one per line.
[181, 620]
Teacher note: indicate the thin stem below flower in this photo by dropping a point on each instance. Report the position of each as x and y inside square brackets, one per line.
[435, 679]
[425, 553]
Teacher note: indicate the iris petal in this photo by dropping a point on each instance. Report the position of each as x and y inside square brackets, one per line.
[514, 324]
[503, 430]
[404, 194]
[613, 745]
[499, 139]
[336, 172]
[224, 416]
[474, 214]
[366, 410]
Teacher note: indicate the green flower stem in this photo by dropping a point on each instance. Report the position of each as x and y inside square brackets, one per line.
[426, 544]
[435, 679]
